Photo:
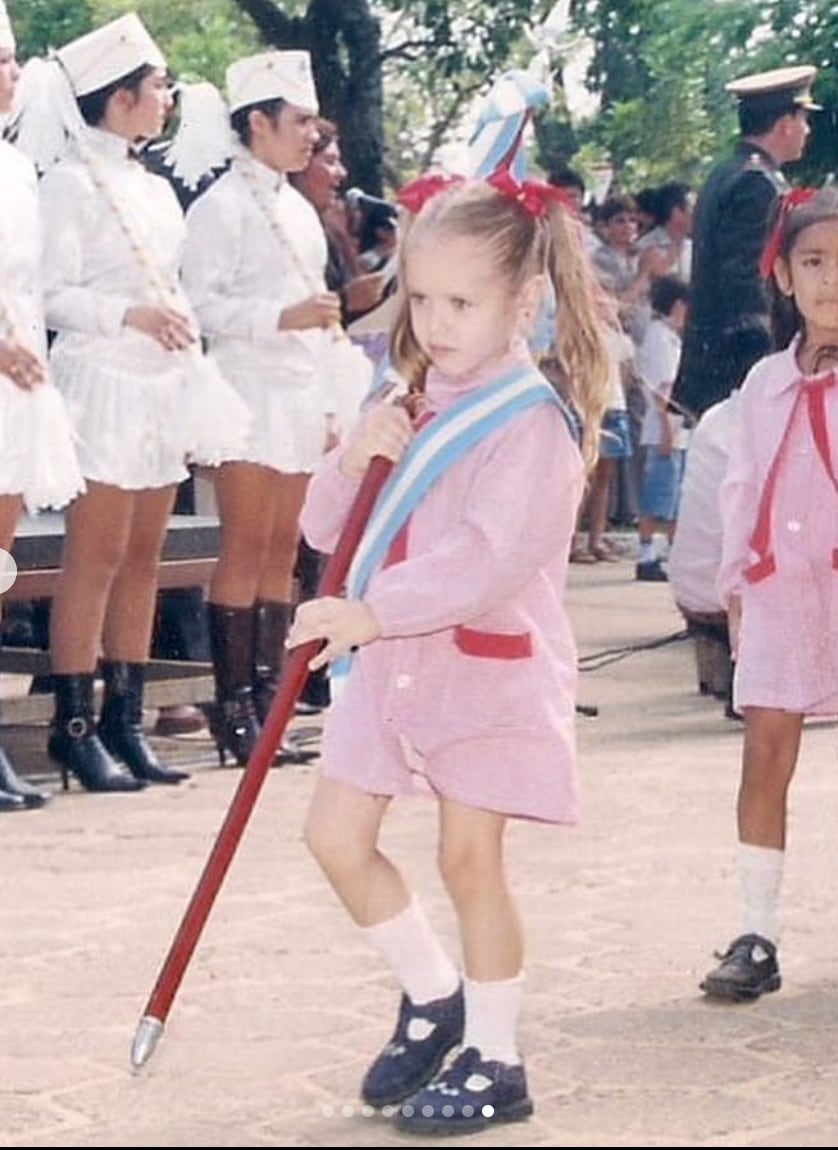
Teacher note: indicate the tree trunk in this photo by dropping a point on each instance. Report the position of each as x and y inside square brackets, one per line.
[344, 39]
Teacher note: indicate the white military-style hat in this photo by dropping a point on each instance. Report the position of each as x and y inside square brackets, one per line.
[272, 76]
[108, 53]
[780, 89]
[7, 36]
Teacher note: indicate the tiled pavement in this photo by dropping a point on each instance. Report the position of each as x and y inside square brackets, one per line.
[282, 1005]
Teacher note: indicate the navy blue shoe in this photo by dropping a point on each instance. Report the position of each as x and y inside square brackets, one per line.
[470, 1095]
[422, 1038]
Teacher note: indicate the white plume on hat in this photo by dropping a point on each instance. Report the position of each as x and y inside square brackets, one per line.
[272, 76]
[7, 36]
[46, 119]
[108, 53]
[204, 139]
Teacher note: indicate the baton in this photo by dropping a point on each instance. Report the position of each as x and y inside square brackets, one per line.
[150, 1027]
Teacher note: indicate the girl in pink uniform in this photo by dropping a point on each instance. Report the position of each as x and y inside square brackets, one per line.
[464, 666]
[779, 573]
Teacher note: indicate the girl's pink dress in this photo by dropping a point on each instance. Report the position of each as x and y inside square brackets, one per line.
[788, 646]
[473, 684]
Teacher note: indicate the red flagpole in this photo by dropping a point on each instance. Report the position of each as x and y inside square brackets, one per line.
[294, 676]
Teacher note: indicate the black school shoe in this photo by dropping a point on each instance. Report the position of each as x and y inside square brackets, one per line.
[651, 571]
[422, 1038]
[470, 1095]
[748, 969]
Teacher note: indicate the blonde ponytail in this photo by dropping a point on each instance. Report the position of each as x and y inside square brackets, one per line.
[580, 346]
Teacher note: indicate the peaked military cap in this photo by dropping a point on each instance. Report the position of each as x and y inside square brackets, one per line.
[780, 90]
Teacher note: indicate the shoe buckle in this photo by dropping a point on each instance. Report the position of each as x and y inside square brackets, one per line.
[76, 727]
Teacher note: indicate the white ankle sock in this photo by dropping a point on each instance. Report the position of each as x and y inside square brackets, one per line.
[410, 945]
[648, 551]
[492, 1010]
[760, 879]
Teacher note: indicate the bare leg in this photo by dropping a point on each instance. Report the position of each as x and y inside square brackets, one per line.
[341, 832]
[769, 758]
[98, 525]
[598, 503]
[10, 509]
[277, 582]
[471, 865]
[129, 616]
[246, 495]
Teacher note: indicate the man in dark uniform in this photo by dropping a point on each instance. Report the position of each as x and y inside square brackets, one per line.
[727, 328]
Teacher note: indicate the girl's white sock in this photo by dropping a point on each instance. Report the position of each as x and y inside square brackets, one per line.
[414, 953]
[492, 1010]
[760, 879]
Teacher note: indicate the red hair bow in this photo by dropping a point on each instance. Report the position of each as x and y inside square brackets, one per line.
[416, 194]
[788, 203]
[534, 196]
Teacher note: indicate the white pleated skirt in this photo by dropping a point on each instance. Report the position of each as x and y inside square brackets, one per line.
[141, 414]
[287, 406]
[38, 458]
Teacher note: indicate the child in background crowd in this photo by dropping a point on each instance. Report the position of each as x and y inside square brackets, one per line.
[777, 577]
[662, 435]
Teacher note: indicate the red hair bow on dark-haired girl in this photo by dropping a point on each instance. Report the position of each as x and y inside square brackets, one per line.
[788, 202]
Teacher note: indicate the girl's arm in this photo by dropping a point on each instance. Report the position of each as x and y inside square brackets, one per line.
[738, 498]
[383, 429]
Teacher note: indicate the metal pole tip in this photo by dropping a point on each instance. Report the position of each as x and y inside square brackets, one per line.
[145, 1040]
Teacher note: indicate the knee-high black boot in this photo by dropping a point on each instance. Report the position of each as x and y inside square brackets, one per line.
[74, 743]
[235, 724]
[121, 724]
[271, 629]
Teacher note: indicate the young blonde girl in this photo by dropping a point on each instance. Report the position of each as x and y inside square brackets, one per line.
[779, 573]
[464, 665]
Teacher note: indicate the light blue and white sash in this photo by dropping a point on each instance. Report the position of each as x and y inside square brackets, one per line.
[434, 449]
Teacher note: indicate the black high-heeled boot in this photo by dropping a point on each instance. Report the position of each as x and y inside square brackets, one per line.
[14, 787]
[269, 634]
[121, 724]
[16, 792]
[74, 744]
[234, 723]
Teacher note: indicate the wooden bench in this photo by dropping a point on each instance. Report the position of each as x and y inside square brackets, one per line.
[189, 555]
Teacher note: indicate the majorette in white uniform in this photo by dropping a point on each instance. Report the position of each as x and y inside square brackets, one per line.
[114, 235]
[255, 246]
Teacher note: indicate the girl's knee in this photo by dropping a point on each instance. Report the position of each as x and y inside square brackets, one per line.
[335, 851]
[465, 867]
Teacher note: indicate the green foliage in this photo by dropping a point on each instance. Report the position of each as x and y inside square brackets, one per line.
[43, 24]
[661, 67]
[199, 38]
